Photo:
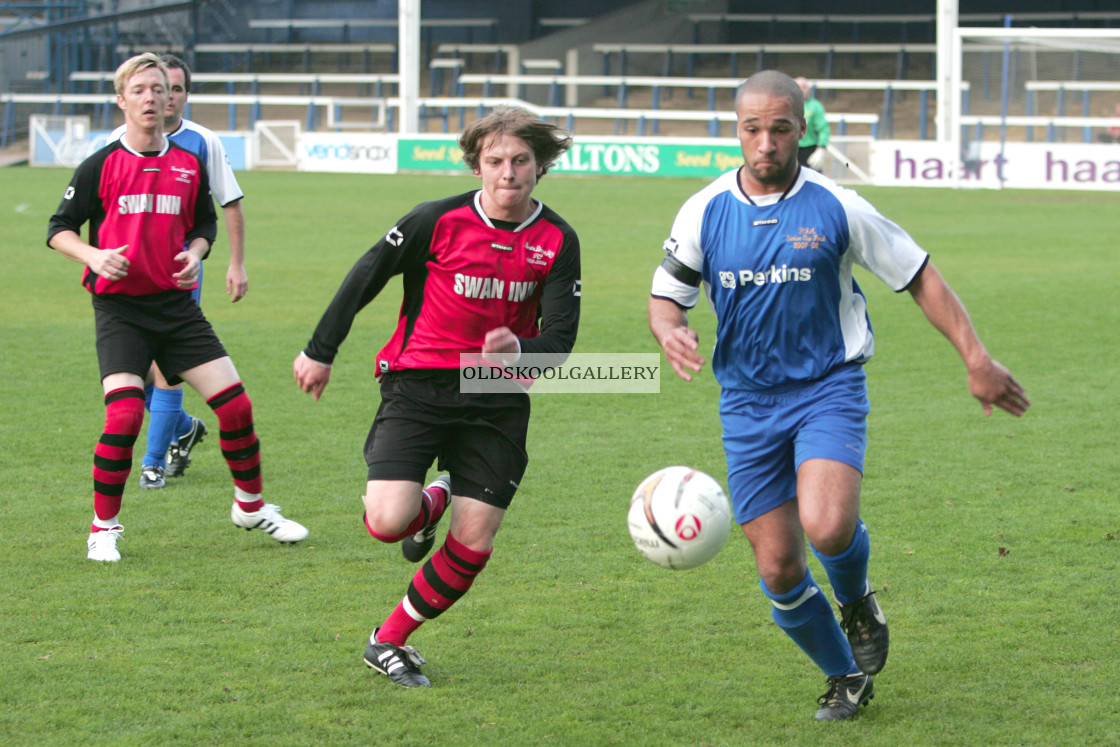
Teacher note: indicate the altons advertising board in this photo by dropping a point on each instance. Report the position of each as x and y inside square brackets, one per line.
[645, 156]
[892, 163]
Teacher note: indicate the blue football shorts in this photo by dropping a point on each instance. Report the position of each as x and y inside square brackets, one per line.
[767, 435]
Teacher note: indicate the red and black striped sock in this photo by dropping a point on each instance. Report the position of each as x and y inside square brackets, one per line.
[439, 583]
[112, 457]
[238, 440]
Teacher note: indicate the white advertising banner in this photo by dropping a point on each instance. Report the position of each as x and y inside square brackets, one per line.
[348, 152]
[923, 163]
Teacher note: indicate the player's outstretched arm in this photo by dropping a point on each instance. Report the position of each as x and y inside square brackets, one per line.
[311, 376]
[989, 381]
[669, 325]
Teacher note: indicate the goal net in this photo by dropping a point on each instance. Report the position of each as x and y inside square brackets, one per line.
[58, 140]
[1035, 85]
[275, 144]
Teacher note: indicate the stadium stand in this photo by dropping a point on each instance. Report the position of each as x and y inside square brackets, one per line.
[766, 55]
[1059, 88]
[497, 53]
[345, 56]
[292, 26]
[833, 27]
[775, 23]
[882, 86]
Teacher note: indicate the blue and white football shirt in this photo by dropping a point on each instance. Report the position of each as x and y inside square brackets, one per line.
[778, 273]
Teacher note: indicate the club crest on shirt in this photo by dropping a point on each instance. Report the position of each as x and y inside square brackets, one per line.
[539, 255]
[806, 238]
[186, 176]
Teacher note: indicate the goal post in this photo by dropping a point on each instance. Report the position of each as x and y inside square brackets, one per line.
[1018, 76]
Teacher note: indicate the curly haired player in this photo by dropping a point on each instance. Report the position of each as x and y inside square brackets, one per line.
[492, 271]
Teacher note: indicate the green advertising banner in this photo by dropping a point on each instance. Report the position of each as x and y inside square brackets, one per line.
[642, 156]
[650, 157]
[439, 153]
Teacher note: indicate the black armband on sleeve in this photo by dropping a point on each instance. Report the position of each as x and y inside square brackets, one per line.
[681, 271]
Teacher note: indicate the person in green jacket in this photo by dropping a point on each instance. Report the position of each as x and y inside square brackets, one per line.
[811, 149]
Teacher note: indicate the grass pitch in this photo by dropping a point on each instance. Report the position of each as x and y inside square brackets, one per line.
[994, 540]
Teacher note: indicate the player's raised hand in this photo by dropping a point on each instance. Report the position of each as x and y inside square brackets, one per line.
[110, 264]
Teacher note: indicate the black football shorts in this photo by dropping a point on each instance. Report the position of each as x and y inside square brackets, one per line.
[479, 438]
[168, 328]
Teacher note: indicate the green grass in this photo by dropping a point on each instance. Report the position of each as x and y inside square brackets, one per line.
[994, 540]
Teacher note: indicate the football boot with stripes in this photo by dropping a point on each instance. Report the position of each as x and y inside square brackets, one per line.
[151, 477]
[268, 519]
[401, 664]
[102, 545]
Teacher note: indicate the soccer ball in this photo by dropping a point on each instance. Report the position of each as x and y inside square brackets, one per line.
[679, 518]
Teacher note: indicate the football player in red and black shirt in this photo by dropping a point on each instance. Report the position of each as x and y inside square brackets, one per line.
[145, 199]
[492, 272]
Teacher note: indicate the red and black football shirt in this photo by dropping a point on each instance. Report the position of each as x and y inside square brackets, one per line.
[464, 275]
[156, 203]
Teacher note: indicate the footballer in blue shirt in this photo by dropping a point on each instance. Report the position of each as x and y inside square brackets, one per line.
[772, 245]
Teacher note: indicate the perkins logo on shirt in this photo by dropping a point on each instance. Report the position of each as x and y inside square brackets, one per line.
[773, 276]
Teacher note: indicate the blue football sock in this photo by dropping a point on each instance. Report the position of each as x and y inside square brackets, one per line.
[148, 389]
[182, 425]
[847, 572]
[806, 617]
[166, 406]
